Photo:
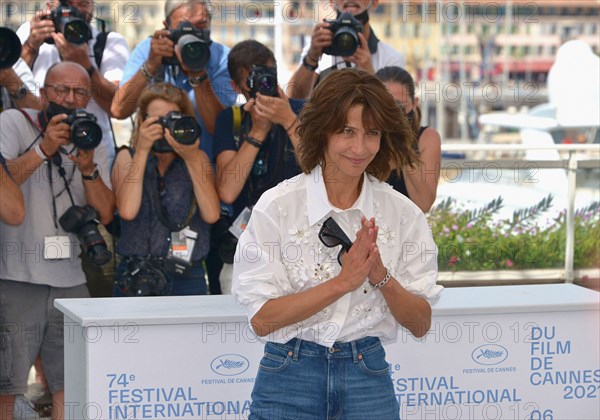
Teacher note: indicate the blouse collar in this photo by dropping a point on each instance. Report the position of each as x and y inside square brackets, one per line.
[319, 205]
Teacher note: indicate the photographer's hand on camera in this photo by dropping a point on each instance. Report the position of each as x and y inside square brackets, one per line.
[150, 132]
[321, 38]
[84, 160]
[188, 152]
[277, 110]
[57, 134]
[260, 123]
[161, 47]
[41, 29]
[362, 56]
[72, 52]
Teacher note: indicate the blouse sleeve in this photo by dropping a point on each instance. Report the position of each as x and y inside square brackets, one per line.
[416, 270]
[258, 271]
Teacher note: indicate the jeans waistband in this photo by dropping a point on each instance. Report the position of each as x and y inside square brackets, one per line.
[339, 349]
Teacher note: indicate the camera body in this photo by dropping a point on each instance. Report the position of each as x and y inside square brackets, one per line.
[183, 128]
[10, 48]
[345, 35]
[194, 45]
[143, 276]
[83, 222]
[71, 22]
[262, 79]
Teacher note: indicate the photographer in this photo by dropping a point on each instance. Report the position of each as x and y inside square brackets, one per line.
[40, 257]
[103, 55]
[16, 80]
[161, 58]
[256, 153]
[371, 54]
[166, 198]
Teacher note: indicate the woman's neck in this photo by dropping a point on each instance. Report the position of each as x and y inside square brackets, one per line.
[342, 193]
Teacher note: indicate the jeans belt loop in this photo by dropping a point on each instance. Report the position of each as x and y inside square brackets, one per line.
[297, 349]
[354, 351]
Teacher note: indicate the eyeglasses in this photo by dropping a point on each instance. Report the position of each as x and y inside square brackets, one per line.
[331, 234]
[63, 90]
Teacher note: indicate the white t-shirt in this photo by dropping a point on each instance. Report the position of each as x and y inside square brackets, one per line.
[280, 254]
[116, 54]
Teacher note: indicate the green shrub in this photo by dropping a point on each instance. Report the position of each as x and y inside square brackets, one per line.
[470, 240]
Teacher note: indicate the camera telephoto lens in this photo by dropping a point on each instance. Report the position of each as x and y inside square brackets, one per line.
[185, 130]
[86, 135]
[76, 31]
[10, 48]
[267, 85]
[195, 53]
[346, 42]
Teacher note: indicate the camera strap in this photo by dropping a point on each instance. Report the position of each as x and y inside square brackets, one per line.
[56, 159]
[237, 124]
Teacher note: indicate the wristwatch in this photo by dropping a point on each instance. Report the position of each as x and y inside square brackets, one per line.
[94, 176]
[19, 93]
[196, 81]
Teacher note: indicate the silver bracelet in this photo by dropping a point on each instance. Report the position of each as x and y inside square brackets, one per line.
[383, 282]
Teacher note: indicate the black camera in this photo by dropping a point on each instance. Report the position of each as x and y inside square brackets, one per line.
[10, 48]
[183, 128]
[86, 134]
[71, 22]
[83, 222]
[262, 79]
[143, 276]
[345, 35]
[194, 45]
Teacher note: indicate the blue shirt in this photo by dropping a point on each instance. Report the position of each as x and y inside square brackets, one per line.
[278, 158]
[217, 73]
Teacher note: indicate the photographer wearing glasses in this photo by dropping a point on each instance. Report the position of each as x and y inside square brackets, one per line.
[62, 32]
[334, 261]
[254, 146]
[184, 55]
[166, 197]
[347, 41]
[62, 168]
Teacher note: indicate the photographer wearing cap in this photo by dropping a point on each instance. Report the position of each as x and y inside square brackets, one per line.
[370, 54]
[67, 191]
[166, 197]
[184, 55]
[254, 144]
[103, 54]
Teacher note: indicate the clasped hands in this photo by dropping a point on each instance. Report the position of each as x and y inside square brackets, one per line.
[363, 259]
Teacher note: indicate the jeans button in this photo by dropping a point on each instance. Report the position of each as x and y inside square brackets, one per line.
[331, 350]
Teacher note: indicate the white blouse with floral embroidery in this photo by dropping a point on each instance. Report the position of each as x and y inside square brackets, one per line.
[280, 254]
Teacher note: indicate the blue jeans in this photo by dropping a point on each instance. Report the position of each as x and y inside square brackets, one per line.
[194, 283]
[304, 380]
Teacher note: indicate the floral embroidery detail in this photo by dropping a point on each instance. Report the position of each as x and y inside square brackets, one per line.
[376, 207]
[367, 314]
[282, 212]
[301, 234]
[322, 272]
[387, 235]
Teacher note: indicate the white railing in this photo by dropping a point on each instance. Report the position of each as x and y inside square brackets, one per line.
[571, 163]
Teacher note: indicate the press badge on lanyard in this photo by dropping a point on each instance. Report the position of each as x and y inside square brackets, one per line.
[57, 247]
[182, 244]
